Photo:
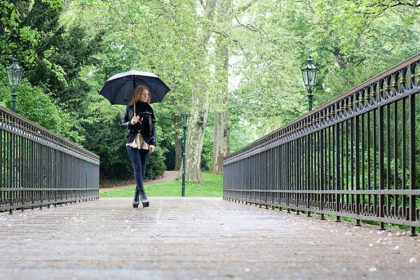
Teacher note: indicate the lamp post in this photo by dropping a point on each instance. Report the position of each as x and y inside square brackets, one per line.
[184, 124]
[309, 74]
[14, 74]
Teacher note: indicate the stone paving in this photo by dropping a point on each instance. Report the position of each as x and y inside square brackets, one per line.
[196, 238]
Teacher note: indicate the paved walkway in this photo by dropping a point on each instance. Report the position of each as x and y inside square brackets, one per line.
[195, 238]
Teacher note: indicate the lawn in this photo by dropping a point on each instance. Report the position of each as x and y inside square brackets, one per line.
[213, 187]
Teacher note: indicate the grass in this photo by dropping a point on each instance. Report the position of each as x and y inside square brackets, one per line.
[213, 187]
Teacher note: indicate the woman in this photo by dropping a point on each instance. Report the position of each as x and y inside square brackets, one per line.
[139, 119]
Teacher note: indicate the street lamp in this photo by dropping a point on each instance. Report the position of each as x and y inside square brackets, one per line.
[184, 124]
[14, 74]
[309, 73]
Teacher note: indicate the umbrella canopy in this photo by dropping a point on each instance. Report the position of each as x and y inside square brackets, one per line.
[119, 88]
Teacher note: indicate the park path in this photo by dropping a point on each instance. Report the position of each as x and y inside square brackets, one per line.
[196, 238]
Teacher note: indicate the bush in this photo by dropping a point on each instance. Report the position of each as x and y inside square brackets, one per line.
[33, 104]
[155, 165]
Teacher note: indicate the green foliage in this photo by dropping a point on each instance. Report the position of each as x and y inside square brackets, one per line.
[106, 139]
[350, 42]
[207, 153]
[166, 137]
[33, 104]
[52, 61]
[70, 48]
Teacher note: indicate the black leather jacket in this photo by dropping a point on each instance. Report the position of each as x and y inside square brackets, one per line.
[146, 126]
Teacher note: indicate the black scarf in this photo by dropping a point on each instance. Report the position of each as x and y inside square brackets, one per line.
[142, 107]
[147, 117]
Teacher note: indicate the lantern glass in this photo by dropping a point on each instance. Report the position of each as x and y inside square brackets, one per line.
[185, 118]
[14, 74]
[309, 74]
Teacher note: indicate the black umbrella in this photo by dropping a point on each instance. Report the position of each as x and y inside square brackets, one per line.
[119, 88]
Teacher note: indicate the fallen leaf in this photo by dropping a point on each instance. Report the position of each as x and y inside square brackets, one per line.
[372, 269]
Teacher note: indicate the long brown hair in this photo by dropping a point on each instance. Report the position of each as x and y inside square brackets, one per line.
[137, 93]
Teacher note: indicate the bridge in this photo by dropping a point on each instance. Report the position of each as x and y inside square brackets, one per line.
[196, 238]
[354, 161]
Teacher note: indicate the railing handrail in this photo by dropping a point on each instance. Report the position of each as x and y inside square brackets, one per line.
[339, 98]
[69, 144]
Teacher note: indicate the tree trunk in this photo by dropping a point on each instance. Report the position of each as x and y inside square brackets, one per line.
[195, 139]
[178, 153]
[199, 108]
[221, 143]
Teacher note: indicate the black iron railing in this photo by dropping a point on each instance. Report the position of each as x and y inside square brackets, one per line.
[39, 168]
[356, 156]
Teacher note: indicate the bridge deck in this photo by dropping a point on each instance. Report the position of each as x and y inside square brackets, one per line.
[188, 238]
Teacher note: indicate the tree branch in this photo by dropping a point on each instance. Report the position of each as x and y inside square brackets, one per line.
[249, 26]
[245, 7]
[384, 7]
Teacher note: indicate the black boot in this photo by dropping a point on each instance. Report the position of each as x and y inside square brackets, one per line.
[136, 199]
[144, 200]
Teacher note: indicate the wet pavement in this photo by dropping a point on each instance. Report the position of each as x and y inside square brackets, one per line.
[196, 238]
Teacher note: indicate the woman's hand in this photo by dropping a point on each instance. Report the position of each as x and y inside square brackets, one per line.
[135, 119]
[151, 149]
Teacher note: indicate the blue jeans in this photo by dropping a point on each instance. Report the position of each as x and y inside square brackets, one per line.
[138, 159]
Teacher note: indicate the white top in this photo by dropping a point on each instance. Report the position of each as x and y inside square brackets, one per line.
[138, 143]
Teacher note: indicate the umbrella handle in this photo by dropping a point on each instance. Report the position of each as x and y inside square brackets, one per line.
[134, 88]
